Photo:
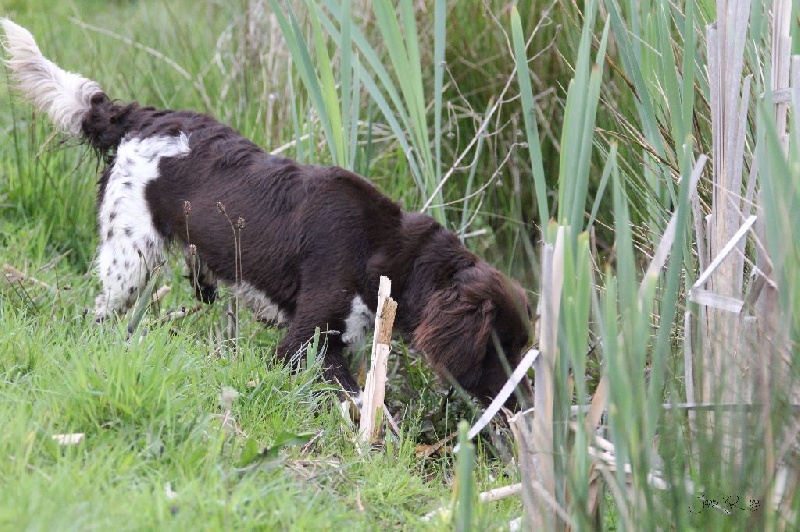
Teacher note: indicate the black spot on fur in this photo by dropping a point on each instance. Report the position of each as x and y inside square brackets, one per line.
[128, 231]
[110, 234]
[128, 184]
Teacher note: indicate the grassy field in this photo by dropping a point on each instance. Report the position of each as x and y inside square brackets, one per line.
[604, 153]
[162, 447]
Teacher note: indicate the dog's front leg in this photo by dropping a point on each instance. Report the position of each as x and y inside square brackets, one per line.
[334, 365]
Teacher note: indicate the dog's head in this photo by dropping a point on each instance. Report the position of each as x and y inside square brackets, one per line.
[475, 329]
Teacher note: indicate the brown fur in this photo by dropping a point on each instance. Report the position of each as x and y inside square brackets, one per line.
[316, 237]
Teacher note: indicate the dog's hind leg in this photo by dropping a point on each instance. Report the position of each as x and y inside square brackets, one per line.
[124, 266]
[130, 249]
[130, 245]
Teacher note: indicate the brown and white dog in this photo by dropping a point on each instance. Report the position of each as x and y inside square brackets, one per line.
[311, 242]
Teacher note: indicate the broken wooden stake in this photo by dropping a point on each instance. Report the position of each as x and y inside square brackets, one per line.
[375, 387]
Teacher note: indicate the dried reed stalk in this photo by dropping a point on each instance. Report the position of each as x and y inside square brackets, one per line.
[742, 345]
[533, 430]
[724, 361]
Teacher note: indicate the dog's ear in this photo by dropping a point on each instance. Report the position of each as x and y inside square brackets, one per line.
[455, 329]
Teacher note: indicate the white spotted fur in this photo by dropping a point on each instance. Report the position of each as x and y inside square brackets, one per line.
[262, 307]
[360, 320]
[130, 246]
[65, 97]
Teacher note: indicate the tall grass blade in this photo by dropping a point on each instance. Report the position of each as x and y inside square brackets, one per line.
[400, 99]
[579, 124]
[295, 40]
[611, 162]
[439, 41]
[349, 91]
[531, 128]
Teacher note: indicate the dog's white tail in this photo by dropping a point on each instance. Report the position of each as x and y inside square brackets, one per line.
[64, 96]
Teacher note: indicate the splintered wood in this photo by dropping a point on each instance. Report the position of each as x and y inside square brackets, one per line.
[375, 387]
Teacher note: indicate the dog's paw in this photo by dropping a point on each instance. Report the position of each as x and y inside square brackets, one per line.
[101, 312]
[205, 293]
[350, 406]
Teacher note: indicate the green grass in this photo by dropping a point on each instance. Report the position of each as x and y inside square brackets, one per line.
[149, 406]
[150, 409]
[151, 413]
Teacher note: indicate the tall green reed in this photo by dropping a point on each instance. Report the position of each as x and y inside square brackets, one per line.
[397, 91]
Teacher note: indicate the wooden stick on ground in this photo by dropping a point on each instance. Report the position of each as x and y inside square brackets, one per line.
[14, 274]
[375, 387]
[486, 497]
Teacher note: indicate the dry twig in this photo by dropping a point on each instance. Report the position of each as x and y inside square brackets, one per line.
[14, 275]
